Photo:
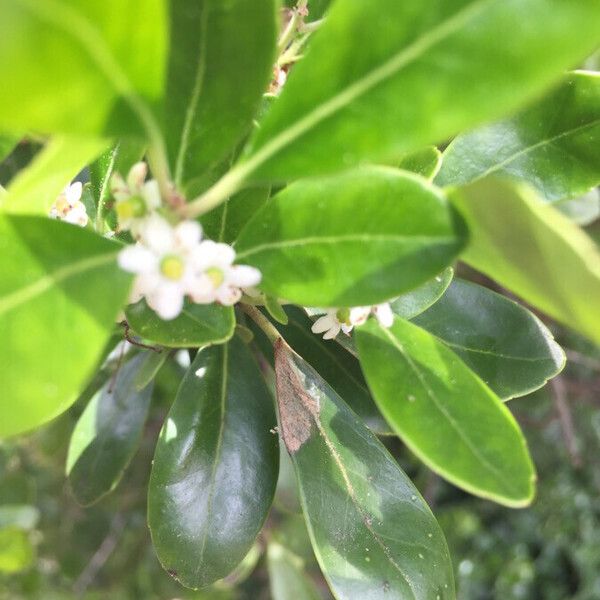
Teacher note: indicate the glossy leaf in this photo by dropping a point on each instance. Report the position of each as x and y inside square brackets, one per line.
[62, 283]
[151, 365]
[350, 240]
[287, 578]
[107, 434]
[374, 536]
[338, 367]
[34, 189]
[215, 467]
[412, 303]
[431, 71]
[533, 250]
[552, 145]
[221, 60]
[197, 325]
[81, 67]
[444, 413]
[224, 223]
[425, 162]
[506, 345]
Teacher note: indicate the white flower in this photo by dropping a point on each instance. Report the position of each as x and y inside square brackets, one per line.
[135, 198]
[345, 319]
[384, 314]
[219, 279]
[165, 262]
[68, 206]
[340, 319]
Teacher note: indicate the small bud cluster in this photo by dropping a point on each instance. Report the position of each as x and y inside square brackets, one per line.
[68, 206]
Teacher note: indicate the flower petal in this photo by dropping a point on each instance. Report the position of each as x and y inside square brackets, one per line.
[188, 234]
[166, 301]
[384, 314]
[136, 176]
[151, 194]
[243, 276]
[324, 323]
[333, 332]
[228, 295]
[157, 234]
[137, 259]
[73, 192]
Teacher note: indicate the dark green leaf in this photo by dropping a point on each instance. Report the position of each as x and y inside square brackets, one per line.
[444, 413]
[372, 533]
[35, 188]
[108, 433]
[215, 467]
[533, 250]
[221, 60]
[287, 578]
[197, 325]
[338, 367]
[506, 345]
[7, 145]
[60, 293]
[355, 239]
[412, 303]
[225, 222]
[425, 162]
[431, 69]
[81, 67]
[552, 145]
[149, 368]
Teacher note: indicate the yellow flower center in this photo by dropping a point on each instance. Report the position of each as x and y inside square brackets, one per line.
[132, 208]
[216, 276]
[343, 315]
[172, 267]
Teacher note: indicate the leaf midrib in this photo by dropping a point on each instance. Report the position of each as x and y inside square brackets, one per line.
[29, 292]
[453, 423]
[347, 238]
[363, 85]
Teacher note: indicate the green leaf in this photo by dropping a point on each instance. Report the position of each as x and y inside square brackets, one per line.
[61, 282]
[197, 325]
[533, 250]
[7, 145]
[221, 60]
[506, 345]
[16, 550]
[444, 413]
[583, 210]
[552, 145]
[225, 222]
[82, 67]
[412, 303]
[353, 239]
[432, 70]
[372, 533]
[34, 189]
[287, 578]
[276, 311]
[338, 367]
[108, 434]
[215, 467]
[149, 368]
[117, 159]
[425, 162]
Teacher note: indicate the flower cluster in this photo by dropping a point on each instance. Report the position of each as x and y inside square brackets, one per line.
[68, 206]
[345, 319]
[172, 262]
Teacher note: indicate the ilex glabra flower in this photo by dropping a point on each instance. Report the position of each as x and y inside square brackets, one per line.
[135, 198]
[172, 263]
[68, 206]
[220, 280]
[345, 319]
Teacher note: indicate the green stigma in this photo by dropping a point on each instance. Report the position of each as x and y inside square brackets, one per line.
[343, 315]
[132, 208]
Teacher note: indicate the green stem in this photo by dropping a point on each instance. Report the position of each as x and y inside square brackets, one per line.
[290, 31]
[268, 328]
